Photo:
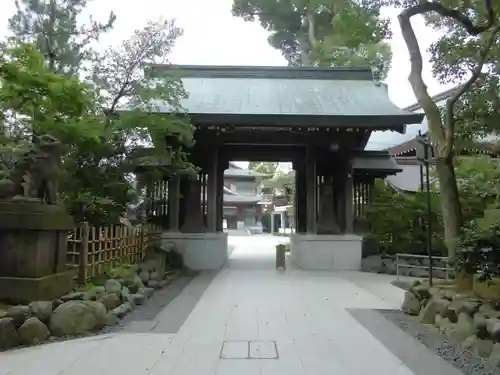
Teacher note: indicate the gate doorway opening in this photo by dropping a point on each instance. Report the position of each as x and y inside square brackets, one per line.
[258, 201]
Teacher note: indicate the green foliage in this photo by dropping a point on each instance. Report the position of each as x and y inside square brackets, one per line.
[398, 221]
[321, 32]
[268, 168]
[102, 121]
[127, 100]
[37, 100]
[479, 183]
[456, 53]
[480, 245]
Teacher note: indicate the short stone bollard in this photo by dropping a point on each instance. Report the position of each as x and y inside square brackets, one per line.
[280, 257]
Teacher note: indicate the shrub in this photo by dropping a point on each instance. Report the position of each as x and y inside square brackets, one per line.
[480, 246]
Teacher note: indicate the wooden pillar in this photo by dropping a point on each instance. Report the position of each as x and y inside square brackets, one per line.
[300, 196]
[212, 191]
[222, 165]
[311, 189]
[173, 203]
[348, 199]
[193, 215]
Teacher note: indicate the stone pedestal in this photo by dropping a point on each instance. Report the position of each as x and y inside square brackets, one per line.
[201, 251]
[33, 249]
[326, 252]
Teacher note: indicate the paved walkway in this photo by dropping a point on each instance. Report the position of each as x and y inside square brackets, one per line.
[290, 323]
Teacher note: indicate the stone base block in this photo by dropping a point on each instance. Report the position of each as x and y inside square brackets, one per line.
[326, 252]
[46, 288]
[201, 251]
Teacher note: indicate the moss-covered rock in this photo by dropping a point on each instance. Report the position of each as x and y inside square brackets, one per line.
[411, 304]
[110, 301]
[113, 286]
[77, 317]
[8, 334]
[33, 332]
[42, 310]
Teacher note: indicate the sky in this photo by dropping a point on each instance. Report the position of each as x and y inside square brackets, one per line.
[212, 36]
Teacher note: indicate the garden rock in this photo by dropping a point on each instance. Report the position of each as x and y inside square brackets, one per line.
[479, 323]
[483, 348]
[439, 274]
[125, 294]
[144, 275]
[411, 304]
[421, 291]
[403, 271]
[433, 307]
[113, 286]
[493, 327]
[8, 334]
[134, 284]
[122, 310]
[437, 321]
[77, 317]
[137, 299]
[110, 301]
[494, 358]
[154, 284]
[462, 329]
[76, 296]
[389, 266]
[445, 325]
[18, 314]
[33, 331]
[95, 293]
[111, 319]
[41, 309]
[419, 272]
[156, 276]
[56, 303]
[450, 314]
[488, 311]
[373, 263]
[147, 292]
[149, 265]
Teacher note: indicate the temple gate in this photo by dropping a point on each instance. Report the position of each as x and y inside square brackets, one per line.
[320, 119]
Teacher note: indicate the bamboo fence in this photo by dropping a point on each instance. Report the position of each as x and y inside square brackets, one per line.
[94, 250]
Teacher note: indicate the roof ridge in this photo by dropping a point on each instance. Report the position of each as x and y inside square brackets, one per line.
[265, 72]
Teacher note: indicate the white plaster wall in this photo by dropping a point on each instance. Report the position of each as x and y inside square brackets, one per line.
[201, 251]
[326, 252]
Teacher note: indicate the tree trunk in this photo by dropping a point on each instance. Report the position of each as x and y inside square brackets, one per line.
[450, 204]
[305, 50]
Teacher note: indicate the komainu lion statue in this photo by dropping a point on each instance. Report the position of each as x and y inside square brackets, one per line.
[33, 177]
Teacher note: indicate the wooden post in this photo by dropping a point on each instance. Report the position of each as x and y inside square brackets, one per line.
[83, 257]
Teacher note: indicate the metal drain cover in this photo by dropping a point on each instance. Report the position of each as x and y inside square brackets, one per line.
[249, 350]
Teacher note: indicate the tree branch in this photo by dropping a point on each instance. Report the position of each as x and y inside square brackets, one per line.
[311, 27]
[444, 136]
[462, 19]
[476, 73]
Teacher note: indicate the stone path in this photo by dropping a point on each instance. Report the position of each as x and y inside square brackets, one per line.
[248, 319]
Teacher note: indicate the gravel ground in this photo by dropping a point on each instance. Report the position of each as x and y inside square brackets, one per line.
[462, 359]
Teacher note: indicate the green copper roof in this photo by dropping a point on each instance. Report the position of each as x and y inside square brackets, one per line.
[286, 95]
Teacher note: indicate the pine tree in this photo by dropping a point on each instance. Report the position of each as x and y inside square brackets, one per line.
[55, 29]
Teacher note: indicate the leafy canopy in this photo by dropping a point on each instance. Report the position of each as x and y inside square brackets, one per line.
[322, 32]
